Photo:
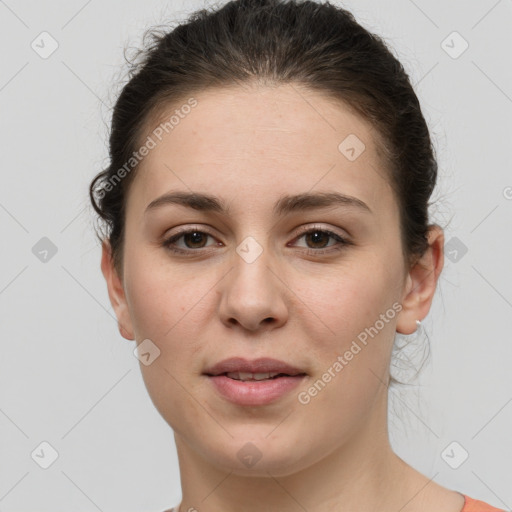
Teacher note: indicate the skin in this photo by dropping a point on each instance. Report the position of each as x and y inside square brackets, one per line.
[250, 146]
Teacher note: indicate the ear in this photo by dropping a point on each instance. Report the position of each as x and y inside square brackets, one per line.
[421, 283]
[116, 292]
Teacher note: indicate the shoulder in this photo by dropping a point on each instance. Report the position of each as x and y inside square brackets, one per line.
[474, 505]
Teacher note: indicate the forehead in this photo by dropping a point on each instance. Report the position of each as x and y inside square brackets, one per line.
[248, 142]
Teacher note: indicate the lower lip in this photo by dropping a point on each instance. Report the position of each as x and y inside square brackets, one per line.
[255, 392]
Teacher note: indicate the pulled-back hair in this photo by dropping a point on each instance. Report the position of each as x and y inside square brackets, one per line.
[320, 47]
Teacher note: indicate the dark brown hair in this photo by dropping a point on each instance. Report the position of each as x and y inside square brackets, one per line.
[319, 46]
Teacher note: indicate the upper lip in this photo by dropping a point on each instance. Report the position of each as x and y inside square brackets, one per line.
[262, 365]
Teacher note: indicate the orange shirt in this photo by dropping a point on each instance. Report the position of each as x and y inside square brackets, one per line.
[472, 505]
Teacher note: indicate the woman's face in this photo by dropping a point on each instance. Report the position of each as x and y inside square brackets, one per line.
[251, 284]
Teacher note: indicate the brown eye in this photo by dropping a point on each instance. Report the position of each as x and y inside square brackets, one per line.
[193, 239]
[317, 241]
[318, 238]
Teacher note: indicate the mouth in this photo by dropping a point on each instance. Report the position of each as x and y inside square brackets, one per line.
[239, 368]
[258, 382]
[248, 376]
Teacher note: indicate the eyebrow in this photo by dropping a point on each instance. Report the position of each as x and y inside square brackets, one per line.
[284, 205]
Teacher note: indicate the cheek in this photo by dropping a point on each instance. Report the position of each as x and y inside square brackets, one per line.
[163, 299]
[344, 303]
[351, 315]
[174, 308]
[349, 337]
[165, 307]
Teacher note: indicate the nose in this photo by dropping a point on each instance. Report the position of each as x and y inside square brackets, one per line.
[253, 295]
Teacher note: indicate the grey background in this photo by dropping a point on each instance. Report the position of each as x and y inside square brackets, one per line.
[66, 375]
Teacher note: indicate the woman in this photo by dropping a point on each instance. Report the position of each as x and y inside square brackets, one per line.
[268, 235]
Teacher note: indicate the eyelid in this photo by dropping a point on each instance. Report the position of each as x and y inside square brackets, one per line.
[311, 227]
[204, 228]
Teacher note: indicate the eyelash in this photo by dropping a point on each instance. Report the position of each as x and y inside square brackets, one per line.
[342, 242]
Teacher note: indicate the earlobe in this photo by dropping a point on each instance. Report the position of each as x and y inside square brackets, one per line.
[421, 283]
[116, 292]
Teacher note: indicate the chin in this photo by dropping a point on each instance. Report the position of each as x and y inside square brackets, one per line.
[257, 454]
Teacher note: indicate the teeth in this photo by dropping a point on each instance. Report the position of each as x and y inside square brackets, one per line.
[251, 376]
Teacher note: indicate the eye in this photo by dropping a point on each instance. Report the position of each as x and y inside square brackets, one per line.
[319, 238]
[193, 239]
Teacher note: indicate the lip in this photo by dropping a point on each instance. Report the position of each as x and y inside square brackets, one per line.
[261, 365]
[254, 392]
